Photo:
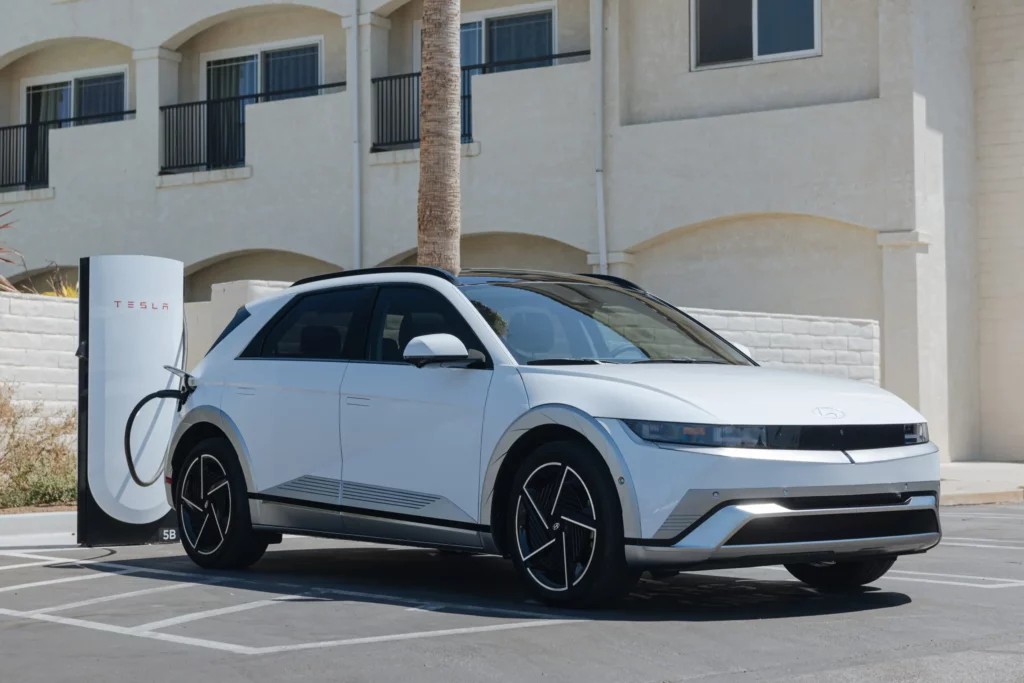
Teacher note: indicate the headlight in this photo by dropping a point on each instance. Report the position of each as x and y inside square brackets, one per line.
[722, 436]
[915, 434]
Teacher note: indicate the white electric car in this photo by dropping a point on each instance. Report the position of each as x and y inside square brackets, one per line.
[576, 424]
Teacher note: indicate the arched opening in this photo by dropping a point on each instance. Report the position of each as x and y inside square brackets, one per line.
[778, 263]
[513, 250]
[275, 266]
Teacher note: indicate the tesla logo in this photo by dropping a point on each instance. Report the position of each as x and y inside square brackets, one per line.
[830, 413]
[143, 305]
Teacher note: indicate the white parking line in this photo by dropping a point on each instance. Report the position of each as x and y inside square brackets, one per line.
[111, 598]
[941, 579]
[196, 616]
[69, 579]
[992, 515]
[954, 544]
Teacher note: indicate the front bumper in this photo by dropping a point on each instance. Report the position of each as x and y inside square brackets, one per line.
[796, 530]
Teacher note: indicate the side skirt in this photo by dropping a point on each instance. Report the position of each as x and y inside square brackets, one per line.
[273, 513]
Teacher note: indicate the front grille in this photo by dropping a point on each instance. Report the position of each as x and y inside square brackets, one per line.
[840, 527]
[837, 437]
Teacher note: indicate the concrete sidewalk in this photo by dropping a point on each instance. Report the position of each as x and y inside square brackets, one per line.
[980, 483]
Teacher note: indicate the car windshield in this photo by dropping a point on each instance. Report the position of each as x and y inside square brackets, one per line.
[550, 323]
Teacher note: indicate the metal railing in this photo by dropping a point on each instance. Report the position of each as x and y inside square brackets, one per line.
[397, 99]
[25, 149]
[210, 134]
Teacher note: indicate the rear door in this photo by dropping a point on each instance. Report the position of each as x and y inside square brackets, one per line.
[284, 393]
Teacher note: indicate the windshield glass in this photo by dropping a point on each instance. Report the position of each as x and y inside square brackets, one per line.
[552, 322]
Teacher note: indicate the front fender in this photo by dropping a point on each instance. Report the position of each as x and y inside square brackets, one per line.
[207, 414]
[592, 431]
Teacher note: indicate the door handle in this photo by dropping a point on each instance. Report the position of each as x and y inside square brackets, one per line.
[245, 391]
[357, 401]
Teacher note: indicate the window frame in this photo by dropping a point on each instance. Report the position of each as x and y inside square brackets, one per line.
[254, 349]
[766, 59]
[483, 16]
[486, 364]
[257, 50]
[72, 76]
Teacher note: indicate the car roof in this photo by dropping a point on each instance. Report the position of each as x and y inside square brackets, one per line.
[478, 276]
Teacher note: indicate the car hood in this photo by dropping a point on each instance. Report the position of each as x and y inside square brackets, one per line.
[720, 394]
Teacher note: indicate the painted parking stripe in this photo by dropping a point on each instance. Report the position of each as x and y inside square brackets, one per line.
[111, 598]
[206, 614]
[941, 579]
[954, 544]
[69, 579]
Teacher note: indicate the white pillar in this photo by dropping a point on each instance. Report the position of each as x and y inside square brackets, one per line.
[620, 264]
[156, 85]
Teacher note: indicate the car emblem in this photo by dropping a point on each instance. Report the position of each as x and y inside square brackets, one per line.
[830, 413]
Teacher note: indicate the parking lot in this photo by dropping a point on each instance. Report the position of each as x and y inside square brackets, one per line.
[316, 610]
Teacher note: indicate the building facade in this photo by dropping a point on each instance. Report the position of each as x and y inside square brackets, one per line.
[842, 158]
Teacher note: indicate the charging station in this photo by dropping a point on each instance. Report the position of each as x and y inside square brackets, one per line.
[131, 326]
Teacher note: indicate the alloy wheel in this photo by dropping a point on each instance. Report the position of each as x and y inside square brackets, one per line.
[205, 505]
[556, 527]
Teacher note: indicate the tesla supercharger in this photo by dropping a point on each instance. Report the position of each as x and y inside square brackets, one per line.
[130, 327]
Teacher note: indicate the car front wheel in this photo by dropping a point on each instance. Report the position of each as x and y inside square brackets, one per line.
[838, 576]
[213, 509]
[565, 527]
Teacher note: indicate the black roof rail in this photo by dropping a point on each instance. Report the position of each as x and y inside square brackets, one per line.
[620, 281]
[422, 270]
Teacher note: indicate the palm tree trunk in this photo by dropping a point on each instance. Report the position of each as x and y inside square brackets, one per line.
[439, 215]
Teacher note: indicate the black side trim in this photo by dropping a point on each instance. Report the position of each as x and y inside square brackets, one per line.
[365, 512]
[621, 282]
[806, 503]
[422, 270]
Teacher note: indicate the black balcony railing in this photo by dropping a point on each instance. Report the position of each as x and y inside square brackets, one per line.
[211, 134]
[397, 99]
[25, 149]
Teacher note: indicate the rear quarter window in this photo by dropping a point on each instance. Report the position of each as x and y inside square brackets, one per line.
[240, 317]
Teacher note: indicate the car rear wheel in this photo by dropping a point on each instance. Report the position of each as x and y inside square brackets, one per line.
[213, 509]
[838, 576]
[564, 527]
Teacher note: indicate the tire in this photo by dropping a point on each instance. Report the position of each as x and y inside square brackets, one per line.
[564, 528]
[213, 509]
[842, 576]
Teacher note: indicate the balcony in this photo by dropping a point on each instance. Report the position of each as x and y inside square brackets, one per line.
[25, 149]
[210, 135]
[397, 99]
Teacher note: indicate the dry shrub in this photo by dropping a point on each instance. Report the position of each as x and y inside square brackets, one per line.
[38, 461]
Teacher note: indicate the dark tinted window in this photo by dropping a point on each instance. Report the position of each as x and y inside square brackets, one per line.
[725, 31]
[785, 26]
[404, 313]
[324, 326]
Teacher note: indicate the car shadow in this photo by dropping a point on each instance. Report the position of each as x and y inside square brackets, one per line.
[489, 586]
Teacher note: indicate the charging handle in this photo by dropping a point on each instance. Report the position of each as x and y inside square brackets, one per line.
[188, 385]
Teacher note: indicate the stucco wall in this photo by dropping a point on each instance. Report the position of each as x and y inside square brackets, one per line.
[999, 54]
[658, 84]
[525, 252]
[260, 265]
[783, 264]
[38, 339]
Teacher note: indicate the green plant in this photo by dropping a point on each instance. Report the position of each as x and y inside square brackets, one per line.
[38, 463]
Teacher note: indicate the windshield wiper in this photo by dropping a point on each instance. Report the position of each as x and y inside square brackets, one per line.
[565, 361]
[682, 361]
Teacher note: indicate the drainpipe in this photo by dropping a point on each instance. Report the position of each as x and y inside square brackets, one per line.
[597, 57]
[352, 49]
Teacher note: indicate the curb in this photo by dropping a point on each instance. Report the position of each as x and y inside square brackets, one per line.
[983, 498]
[35, 523]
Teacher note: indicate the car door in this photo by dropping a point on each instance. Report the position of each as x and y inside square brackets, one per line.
[411, 436]
[283, 393]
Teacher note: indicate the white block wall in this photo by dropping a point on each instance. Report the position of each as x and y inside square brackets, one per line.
[38, 340]
[842, 347]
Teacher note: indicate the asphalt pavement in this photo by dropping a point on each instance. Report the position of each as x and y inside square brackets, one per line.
[316, 610]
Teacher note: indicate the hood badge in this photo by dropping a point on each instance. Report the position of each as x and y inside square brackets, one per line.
[829, 413]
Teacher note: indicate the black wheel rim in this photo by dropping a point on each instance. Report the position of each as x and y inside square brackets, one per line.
[205, 505]
[556, 527]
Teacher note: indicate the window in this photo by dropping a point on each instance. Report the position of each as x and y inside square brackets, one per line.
[94, 99]
[289, 68]
[502, 38]
[553, 321]
[737, 31]
[404, 313]
[323, 326]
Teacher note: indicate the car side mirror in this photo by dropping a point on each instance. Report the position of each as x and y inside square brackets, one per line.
[435, 348]
[743, 349]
